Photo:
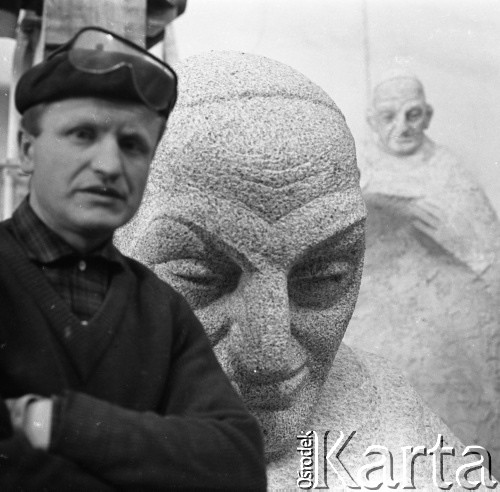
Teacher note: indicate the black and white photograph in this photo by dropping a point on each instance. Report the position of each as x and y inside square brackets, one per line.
[249, 245]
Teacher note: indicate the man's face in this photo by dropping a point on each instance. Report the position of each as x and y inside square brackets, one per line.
[400, 115]
[266, 243]
[89, 164]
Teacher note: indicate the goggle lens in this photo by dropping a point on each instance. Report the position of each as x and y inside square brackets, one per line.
[97, 51]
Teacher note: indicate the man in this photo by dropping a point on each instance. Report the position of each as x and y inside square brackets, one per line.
[106, 377]
[433, 248]
[254, 212]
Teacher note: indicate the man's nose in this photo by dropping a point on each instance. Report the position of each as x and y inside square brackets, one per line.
[107, 159]
[261, 343]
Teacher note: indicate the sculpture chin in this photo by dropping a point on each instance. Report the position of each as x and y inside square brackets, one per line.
[281, 426]
[402, 146]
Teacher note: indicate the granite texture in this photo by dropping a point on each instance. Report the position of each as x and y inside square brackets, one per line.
[431, 280]
[254, 212]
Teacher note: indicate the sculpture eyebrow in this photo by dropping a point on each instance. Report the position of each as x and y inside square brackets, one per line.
[210, 238]
[251, 260]
[225, 224]
[340, 246]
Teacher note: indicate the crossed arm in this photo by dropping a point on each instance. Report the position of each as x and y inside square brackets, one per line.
[205, 438]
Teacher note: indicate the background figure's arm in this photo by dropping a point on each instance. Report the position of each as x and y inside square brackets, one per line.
[442, 202]
[206, 439]
[462, 222]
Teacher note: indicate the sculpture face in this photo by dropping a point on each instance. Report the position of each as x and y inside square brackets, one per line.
[400, 115]
[255, 215]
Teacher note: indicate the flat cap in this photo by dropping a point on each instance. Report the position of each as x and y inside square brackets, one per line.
[56, 79]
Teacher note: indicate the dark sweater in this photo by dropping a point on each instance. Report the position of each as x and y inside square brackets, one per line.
[148, 408]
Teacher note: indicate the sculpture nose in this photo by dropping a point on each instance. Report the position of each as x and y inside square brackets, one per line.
[262, 346]
[401, 125]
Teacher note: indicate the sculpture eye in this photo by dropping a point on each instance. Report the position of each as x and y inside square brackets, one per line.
[196, 271]
[318, 284]
[386, 116]
[200, 281]
[414, 114]
[321, 271]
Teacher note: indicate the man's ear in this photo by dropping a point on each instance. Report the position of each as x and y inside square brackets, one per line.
[429, 111]
[25, 145]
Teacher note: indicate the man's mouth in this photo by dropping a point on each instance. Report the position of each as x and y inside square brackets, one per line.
[104, 191]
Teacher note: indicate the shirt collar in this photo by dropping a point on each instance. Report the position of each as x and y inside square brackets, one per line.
[44, 245]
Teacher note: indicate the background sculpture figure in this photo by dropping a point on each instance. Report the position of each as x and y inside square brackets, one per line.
[254, 212]
[430, 289]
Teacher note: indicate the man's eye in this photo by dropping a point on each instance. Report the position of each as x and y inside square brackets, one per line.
[82, 134]
[133, 146]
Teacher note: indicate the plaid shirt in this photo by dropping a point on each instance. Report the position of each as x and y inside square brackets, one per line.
[81, 280]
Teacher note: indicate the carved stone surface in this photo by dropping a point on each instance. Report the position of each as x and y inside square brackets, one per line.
[254, 212]
[431, 282]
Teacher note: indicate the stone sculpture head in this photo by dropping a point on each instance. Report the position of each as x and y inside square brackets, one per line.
[254, 212]
[399, 113]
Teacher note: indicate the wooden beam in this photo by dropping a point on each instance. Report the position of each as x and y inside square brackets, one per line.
[63, 18]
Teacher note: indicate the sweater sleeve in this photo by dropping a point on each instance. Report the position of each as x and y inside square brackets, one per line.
[24, 468]
[27, 469]
[205, 439]
[5, 424]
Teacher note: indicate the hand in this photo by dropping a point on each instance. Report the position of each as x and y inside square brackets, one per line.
[32, 416]
[455, 232]
[428, 217]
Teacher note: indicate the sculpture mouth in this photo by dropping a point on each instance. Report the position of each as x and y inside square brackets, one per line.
[278, 395]
[405, 139]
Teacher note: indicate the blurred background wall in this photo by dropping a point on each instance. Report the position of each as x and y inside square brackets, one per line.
[6, 52]
[343, 45]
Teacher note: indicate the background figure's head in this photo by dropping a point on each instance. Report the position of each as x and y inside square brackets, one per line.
[399, 114]
[254, 212]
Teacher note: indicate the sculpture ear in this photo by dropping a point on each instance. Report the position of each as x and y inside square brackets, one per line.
[429, 111]
[25, 145]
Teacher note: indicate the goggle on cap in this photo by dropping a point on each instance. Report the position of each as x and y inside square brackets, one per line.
[98, 63]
